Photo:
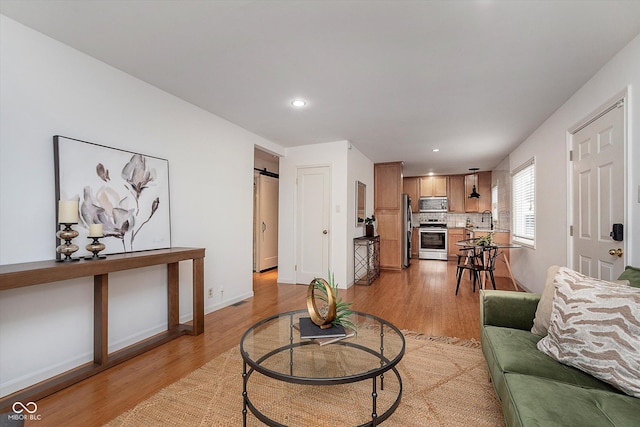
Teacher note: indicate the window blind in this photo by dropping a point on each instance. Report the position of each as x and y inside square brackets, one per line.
[524, 207]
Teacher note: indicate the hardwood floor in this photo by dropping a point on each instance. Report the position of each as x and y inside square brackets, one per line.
[421, 298]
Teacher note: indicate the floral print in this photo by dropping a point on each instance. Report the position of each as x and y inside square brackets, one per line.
[119, 214]
[137, 175]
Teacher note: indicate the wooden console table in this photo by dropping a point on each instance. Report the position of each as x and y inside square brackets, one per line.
[36, 273]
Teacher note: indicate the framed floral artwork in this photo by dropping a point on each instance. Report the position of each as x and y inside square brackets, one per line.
[126, 192]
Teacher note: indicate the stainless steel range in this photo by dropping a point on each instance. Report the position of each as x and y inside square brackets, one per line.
[433, 240]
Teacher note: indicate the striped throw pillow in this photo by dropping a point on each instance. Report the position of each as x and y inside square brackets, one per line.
[595, 327]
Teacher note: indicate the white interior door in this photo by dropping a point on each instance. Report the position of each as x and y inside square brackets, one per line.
[267, 233]
[598, 195]
[312, 231]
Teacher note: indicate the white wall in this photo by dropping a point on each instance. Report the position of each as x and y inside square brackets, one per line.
[47, 88]
[346, 166]
[549, 146]
[360, 168]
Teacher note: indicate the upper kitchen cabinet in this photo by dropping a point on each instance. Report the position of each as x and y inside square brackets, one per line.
[412, 188]
[387, 185]
[433, 186]
[456, 193]
[482, 181]
[388, 210]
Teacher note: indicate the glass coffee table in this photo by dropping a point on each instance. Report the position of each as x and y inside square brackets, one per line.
[284, 375]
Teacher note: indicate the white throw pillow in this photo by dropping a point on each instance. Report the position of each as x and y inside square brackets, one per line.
[595, 327]
[543, 311]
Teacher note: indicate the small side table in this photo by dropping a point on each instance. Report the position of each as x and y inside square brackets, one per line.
[366, 259]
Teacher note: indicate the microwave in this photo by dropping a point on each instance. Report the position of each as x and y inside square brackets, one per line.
[433, 204]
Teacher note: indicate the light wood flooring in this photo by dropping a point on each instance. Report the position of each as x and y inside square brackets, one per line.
[421, 298]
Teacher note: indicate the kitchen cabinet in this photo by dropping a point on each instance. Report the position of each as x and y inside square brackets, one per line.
[484, 187]
[454, 235]
[411, 186]
[482, 181]
[433, 186]
[456, 193]
[387, 179]
[415, 243]
[389, 229]
[387, 208]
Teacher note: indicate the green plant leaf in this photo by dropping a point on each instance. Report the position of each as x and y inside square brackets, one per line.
[343, 310]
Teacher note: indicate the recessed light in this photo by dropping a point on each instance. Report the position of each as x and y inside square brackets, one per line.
[435, 150]
[299, 103]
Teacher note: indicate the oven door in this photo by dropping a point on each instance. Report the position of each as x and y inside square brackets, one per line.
[433, 243]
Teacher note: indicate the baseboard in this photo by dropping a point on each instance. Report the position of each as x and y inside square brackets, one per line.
[137, 337]
[226, 303]
[45, 373]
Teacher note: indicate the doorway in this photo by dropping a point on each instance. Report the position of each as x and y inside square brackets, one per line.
[598, 183]
[265, 218]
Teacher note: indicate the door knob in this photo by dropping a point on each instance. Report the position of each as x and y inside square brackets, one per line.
[324, 231]
[617, 252]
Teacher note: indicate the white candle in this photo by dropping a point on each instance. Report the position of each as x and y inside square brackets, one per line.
[95, 230]
[68, 211]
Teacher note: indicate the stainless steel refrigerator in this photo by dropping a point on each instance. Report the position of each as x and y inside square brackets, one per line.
[407, 228]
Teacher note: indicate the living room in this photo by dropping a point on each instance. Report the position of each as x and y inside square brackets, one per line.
[49, 88]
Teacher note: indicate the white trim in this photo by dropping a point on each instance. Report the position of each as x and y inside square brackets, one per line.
[601, 110]
[215, 307]
[621, 97]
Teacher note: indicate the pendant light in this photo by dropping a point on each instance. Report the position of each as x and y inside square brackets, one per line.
[474, 193]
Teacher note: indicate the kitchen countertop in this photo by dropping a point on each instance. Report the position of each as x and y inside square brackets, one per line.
[488, 230]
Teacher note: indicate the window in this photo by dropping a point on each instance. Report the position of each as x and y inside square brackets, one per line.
[524, 206]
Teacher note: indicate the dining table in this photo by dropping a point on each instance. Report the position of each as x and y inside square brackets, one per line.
[473, 244]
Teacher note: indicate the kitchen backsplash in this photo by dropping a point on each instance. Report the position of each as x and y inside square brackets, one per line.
[457, 220]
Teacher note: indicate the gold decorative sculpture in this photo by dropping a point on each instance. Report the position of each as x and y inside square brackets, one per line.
[327, 313]
[334, 310]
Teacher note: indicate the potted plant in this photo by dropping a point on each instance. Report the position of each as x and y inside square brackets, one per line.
[368, 225]
[338, 314]
[485, 240]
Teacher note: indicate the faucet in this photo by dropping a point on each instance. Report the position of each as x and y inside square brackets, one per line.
[490, 218]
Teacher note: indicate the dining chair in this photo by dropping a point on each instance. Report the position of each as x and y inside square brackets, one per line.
[478, 260]
[467, 260]
[489, 263]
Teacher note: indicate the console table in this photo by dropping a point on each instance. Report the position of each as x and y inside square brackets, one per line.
[366, 259]
[36, 273]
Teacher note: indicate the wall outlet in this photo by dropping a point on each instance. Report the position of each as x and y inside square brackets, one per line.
[210, 293]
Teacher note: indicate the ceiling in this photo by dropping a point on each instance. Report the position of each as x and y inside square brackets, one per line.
[395, 78]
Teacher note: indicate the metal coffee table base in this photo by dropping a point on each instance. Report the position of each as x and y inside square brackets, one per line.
[375, 417]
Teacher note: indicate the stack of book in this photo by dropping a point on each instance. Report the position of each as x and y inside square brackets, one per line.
[309, 330]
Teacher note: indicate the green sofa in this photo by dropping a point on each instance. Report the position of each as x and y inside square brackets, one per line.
[534, 389]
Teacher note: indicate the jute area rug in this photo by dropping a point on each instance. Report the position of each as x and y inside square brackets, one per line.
[445, 383]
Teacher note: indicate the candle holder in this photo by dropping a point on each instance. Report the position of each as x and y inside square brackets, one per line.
[67, 248]
[95, 247]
